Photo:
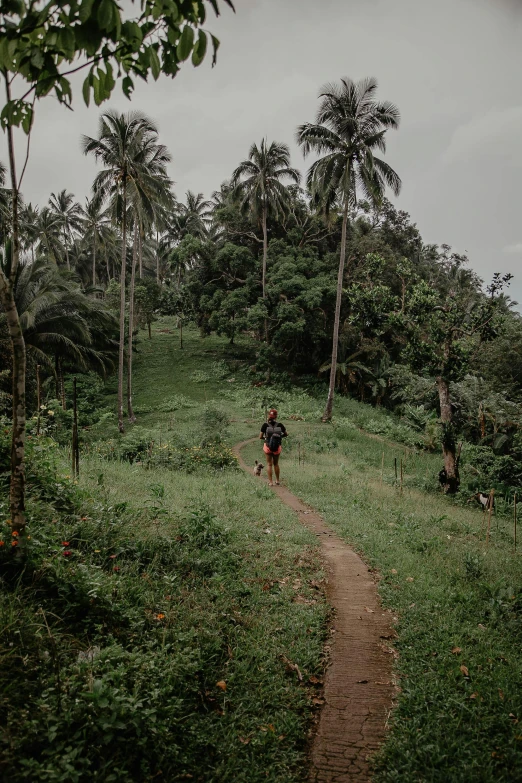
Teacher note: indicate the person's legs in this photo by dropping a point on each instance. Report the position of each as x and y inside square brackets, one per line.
[269, 459]
[275, 459]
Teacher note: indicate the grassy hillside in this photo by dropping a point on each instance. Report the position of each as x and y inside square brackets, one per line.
[154, 632]
[169, 595]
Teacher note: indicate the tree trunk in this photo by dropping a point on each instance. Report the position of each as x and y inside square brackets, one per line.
[66, 250]
[157, 261]
[94, 262]
[7, 298]
[140, 255]
[449, 478]
[327, 415]
[63, 398]
[130, 412]
[265, 252]
[265, 255]
[121, 355]
[17, 488]
[57, 375]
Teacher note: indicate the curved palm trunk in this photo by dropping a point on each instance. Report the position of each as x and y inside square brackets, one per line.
[121, 353]
[265, 252]
[265, 255]
[140, 254]
[66, 250]
[130, 411]
[7, 284]
[327, 415]
[94, 261]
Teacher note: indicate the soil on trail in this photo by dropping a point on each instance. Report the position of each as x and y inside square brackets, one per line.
[358, 690]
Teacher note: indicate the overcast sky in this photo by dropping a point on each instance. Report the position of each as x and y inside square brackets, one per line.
[453, 67]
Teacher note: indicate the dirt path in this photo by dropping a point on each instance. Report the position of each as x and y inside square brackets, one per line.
[358, 690]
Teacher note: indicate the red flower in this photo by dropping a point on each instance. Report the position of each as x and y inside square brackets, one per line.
[65, 543]
[15, 534]
[67, 552]
[112, 557]
[116, 568]
[2, 543]
[14, 543]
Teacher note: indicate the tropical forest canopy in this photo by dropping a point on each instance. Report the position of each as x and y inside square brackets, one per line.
[417, 328]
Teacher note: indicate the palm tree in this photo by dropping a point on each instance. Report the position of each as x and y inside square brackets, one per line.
[59, 320]
[29, 225]
[48, 231]
[195, 215]
[127, 148]
[120, 137]
[69, 216]
[257, 183]
[95, 219]
[350, 125]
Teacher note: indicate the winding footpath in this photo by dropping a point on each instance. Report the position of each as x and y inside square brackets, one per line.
[358, 690]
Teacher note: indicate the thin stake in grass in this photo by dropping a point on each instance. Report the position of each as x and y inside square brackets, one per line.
[515, 521]
[38, 397]
[75, 445]
[401, 475]
[382, 468]
[491, 497]
[395, 463]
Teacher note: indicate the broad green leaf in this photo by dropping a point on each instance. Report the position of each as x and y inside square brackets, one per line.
[127, 86]
[131, 32]
[200, 49]
[155, 64]
[27, 120]
[104, 16]
[85, 10]
[96, 90]
[186, 43]
[86, 90]
[37, 58]
[109, 78]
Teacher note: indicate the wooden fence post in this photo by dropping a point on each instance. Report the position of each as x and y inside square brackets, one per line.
[38, 397]
[515, 519]
[491, 500]
[75, 446]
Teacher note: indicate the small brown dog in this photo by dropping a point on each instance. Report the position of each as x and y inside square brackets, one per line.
[258, 468]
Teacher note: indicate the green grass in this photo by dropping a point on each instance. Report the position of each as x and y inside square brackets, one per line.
[112, 674]
[161, 646]
[447, 590]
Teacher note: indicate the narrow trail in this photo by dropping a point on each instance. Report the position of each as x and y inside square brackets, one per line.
[358, 690]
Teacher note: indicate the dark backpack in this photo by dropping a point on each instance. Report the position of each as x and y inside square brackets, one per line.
[273, 436]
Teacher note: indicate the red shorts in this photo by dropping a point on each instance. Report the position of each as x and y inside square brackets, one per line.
[273, 453]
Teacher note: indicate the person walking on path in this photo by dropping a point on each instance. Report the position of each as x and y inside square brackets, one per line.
[272, 432]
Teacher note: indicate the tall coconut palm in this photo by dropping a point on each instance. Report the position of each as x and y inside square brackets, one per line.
[194, 216]
[350, 126]
[49, 234]
[95, 219]
[69, 216]
[258, 184]
[123, 147]
[29, 226]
